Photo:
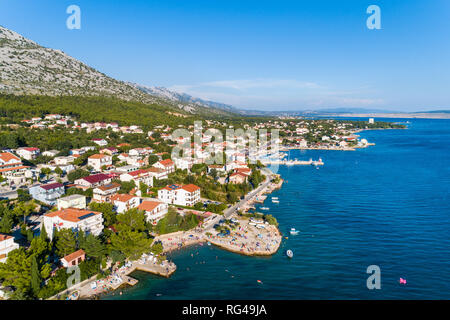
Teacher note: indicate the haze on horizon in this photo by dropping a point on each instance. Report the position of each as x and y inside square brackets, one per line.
[264, 55]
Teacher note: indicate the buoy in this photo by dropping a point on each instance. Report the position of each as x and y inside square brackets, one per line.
[402, 281]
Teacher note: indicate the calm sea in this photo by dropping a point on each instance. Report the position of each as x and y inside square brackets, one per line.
[387, 205]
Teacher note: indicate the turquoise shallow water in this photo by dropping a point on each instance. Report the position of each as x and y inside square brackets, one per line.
[386, 205]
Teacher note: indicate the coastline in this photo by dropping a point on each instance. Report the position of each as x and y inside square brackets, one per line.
[253, 242]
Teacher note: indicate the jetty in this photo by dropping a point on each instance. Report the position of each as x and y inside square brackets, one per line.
[121, 276]
[294, 162]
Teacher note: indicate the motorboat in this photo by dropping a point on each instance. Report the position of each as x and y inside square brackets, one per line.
[264, 208]
[293, 231]
[289, 253]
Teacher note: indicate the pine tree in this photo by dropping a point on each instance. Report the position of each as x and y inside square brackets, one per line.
[65, 242]
[43, 232]
[35, 276]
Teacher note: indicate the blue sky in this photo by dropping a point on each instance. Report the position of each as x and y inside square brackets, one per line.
[270, 55]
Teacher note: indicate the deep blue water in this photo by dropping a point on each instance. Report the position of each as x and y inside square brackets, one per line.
[386, 205]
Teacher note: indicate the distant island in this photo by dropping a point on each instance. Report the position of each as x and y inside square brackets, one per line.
[417, 115]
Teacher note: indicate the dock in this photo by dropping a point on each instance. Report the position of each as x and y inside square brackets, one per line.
[294, 162]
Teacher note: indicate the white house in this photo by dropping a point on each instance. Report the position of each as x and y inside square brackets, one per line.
[52, 116]
[73, 259]
[187, 195]
[97, 161]
[7, 245]
[48, 193]
[111, 151]
[154, 210]
[166, 165]
[94, 180]
[138, 176]
[76, 219]
[50, 153]
[104, 193]
[158, 174]
[63, 161]
[28, 153]
[125, 202]
[100, 142]
[302, 143]
[9, 163]
[126, 169]
[137, 152]
[78, 152]
[183, 164]
[76, 201]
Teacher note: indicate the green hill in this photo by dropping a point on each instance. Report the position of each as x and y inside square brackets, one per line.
[14, 108]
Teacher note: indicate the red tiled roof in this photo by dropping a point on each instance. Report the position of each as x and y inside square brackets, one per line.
[137, 172]
[166, 163]
[52, 186]
[74, 255]
[149, 205]
[14, 168]
[98, 156]
[96, 178]
[109, 186]
[122, 197]
[71, 214]
[238, 174]
[4, 237]
[7, 156]
[190, 187]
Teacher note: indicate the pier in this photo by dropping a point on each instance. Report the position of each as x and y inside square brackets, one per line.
[294, 162]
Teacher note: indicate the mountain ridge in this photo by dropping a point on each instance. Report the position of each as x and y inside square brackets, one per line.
[27, 68]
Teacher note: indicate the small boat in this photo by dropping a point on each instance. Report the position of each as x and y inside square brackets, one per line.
[275, 201]
[259, 281]
[264, 208]
[274, 198]
[289, 253]
[293, 231]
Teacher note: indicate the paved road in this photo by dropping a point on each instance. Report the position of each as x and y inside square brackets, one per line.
[229, 211]
[9, 195]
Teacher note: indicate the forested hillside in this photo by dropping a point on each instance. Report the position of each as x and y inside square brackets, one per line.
[14, 108]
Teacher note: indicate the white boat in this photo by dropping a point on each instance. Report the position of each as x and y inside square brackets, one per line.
[264, 208]
[275, 201]
[293, 231]
[274, 198]
[289, 253]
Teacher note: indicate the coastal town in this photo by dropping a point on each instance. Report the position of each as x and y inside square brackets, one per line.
[114, 200]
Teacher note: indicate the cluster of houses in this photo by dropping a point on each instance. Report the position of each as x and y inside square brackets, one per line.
[73, 211]
[51, 121]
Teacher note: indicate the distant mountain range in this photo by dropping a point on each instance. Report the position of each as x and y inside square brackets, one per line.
[184, 98]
